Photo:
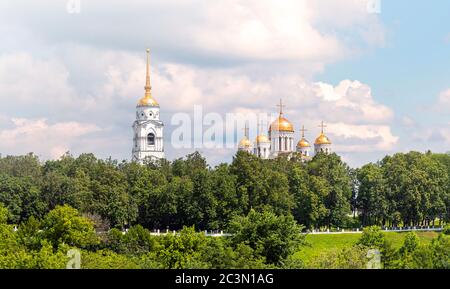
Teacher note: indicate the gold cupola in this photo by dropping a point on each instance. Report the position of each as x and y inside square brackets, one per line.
[281, 123]
[262, 139]
[322, 138]
[303, 143]
[148, 100]
[245, 143]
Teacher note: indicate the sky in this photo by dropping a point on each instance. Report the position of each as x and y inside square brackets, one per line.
[376, 71]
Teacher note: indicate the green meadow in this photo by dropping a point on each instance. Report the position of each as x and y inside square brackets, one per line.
[319, 244]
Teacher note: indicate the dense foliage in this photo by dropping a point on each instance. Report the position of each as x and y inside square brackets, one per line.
[185, 192]
[86, 202]
[410, 189]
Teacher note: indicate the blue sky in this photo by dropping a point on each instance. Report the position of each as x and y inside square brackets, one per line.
[414, 65]
[411, 70]
[70, 81]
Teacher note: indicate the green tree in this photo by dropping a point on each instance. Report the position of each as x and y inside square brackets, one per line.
[21, 197]
[406, 254]
[229, 202]
[65, 225]
[182, 251]
[136, 241]
[440, 252]
[272, 237]
[262, 183]
[418, 187]
[337, 174]
[372, 199]
[309, 194]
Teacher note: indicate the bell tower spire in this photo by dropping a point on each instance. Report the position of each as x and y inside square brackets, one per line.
[148, 87]
[148, 99]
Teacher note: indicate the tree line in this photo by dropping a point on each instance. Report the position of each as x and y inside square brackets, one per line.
[403, 189]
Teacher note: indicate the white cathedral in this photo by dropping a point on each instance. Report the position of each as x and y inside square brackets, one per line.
[148, 141]
[280, 141]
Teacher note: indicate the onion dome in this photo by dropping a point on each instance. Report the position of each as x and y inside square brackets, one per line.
[262, 139]
[245, 143]
[281, 123]
[322, 138]
[303, 143]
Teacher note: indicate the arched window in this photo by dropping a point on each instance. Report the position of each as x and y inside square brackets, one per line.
[150, 139]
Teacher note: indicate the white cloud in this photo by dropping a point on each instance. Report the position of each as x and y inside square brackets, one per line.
[363, 138]
[294, 30]
[42, 138]
[352, 100]
[263, 30]
[433, 134]
[31, 82]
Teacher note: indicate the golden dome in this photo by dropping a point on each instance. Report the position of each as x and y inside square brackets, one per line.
[262, 138]
[282, 124]
[322, 139]
[245, 143]
[148, 101]
[303, 143]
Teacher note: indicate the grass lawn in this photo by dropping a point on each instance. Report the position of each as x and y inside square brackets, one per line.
[318, 244]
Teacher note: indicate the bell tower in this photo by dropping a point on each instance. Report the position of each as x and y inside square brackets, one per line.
[148, 142]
